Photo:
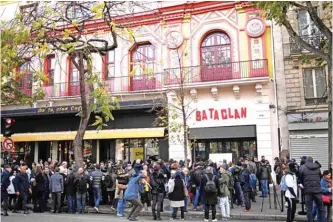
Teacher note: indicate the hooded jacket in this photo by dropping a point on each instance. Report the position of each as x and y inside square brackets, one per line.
[310, 177]
[132, 190]
[245, 180]
[196, 175]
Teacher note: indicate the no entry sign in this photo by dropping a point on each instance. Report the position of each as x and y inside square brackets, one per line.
[8, 144]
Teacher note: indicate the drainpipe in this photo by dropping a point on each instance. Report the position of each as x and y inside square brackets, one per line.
[275, 91]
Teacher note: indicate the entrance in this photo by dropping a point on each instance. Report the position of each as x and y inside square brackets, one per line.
[44, 150]
[238, 148]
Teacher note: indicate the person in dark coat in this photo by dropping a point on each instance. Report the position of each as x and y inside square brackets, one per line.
[157, 190]
[245, 184]
[309, 177]
[264, 175]
[209, 199]
[47, 178]
[5, 182]
[195, 180]
[39, 205]
[70, 191]
[22, 188]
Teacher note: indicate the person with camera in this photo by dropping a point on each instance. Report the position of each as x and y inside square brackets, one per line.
[309, 177]
[291, 192]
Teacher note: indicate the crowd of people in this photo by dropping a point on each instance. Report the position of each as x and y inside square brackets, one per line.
[143, 185]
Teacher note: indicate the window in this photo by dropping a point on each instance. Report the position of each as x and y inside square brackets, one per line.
[50, 66]
[74, 76]
[216, 49]
[79, 10]
[110, 64]
[315, 89]
[25, 81]
[29, 13]
[143, 58]
[306, 25]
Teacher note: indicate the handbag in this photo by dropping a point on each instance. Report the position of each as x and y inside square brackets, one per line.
[326, 199]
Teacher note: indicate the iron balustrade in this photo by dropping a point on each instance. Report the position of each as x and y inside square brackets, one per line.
[156, 81]
[217, 72]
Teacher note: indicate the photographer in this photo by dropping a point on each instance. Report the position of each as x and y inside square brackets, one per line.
[291, 192]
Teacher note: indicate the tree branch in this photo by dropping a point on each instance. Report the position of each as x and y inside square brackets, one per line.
[303, 43]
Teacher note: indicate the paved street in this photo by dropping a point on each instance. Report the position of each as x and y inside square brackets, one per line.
[80, 218]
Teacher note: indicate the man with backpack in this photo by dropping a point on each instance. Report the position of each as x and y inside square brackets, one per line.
[81, 181]
[209, 192]
[224, 194]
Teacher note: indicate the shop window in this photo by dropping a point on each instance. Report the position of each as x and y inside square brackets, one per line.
[133, 149]
[21, 151]
[216, 147]
[216, 50]
[315, 89]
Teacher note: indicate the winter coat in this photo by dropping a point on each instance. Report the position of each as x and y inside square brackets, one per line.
[196, 176]
[70, 184]
[325, 185]
[40, 182]
[5, 182]
[157, 183]
[310, 177]
[47, 179]
[252, 167]
[245, 180]
[209, 198]
[223, 185]
[22, 183]
[264, 172]
[57, 183]
[178, 190]
[97, 177]
[132, 189]
[78, 178]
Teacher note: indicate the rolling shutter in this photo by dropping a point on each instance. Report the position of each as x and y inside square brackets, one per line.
[315, 146]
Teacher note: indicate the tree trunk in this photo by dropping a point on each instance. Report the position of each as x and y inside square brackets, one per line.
[329, 89]
[85, 114]
[185, 133]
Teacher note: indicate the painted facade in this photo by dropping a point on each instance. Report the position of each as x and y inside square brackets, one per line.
[227, 48]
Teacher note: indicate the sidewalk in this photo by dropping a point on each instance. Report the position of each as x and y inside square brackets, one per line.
[236, 213]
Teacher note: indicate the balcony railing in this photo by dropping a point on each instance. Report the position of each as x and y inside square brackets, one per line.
[313, 40]
[63, 89]
[193, 74]
[217, 72]
[26, 91]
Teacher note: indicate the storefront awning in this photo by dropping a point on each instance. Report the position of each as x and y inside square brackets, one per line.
[89, 135]
[223, 132]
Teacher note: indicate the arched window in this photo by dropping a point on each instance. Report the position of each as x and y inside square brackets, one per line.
[143, 58]
[216, 49]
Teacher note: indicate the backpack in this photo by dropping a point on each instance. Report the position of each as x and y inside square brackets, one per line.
[82, 185]
[253, 181]
[108, 182]
[210, 186]
[283, 185]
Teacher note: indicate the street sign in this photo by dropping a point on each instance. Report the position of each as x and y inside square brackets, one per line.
[8, 144]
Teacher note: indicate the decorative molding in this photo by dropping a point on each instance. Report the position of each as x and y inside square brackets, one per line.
[34, 104]
[259, 89]
[236, 90]
[50, 103]
[194, 94]
[215, 93]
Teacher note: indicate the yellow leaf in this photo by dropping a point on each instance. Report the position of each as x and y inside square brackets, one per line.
[132, 73]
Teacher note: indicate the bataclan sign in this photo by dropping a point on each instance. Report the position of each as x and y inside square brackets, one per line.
[220, 114]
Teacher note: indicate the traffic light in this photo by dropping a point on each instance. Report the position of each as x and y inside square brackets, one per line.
[8, 127]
